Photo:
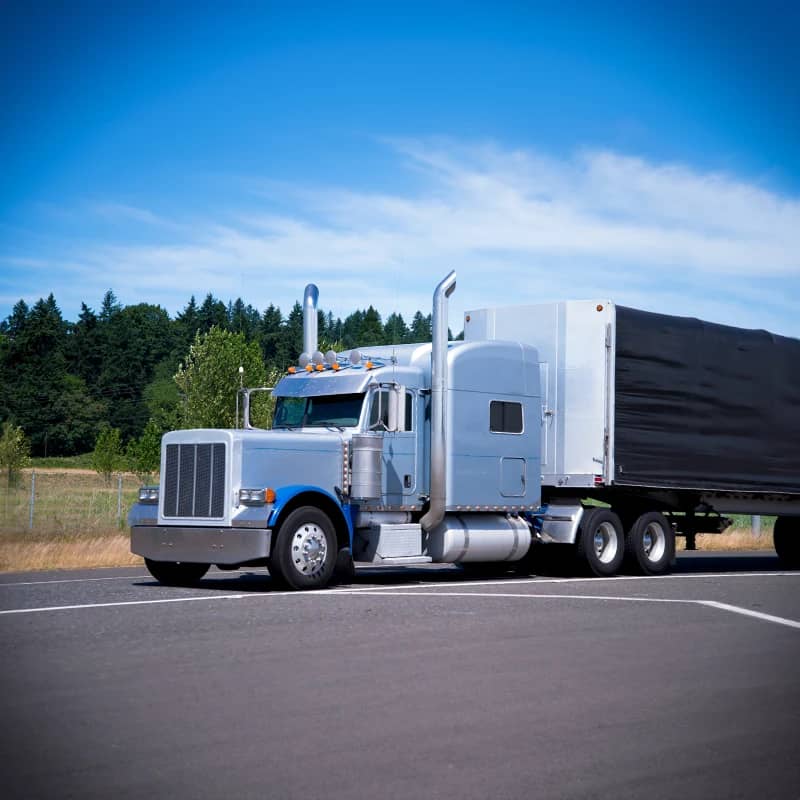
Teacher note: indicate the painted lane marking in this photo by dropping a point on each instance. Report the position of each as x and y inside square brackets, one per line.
[411, 592]
[500, 582]
[75, 580]
[790, 623]
[127, 603]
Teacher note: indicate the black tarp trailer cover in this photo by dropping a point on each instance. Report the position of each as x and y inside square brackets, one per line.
[705, 406]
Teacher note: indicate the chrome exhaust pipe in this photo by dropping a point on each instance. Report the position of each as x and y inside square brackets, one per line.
[310, 297]
[435, 513]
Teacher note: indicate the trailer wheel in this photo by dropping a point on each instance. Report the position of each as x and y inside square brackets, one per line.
[176, 573]
[305, 549]
[650, 544]
[786, 537]
[600, 542]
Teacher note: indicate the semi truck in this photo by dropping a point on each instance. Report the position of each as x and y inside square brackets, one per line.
[603, 429]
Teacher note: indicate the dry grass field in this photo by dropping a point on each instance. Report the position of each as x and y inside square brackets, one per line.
[79, 520]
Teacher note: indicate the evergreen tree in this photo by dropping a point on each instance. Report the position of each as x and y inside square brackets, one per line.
[292, 338]
[395, 331]
[420, 328]
[136, 339]
[371, 332]
[270, 335]
[212, 313]
[351, 329]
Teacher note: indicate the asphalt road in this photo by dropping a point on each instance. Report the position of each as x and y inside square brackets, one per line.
[408, 684]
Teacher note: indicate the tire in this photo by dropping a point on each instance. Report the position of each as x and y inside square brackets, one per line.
[305, 551]
[600, 547]
[786, 537]
[176, 573]
[650, 545]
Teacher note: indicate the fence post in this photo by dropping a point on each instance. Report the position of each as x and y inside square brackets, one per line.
[119, 500]
[33, 499]
[755, 522]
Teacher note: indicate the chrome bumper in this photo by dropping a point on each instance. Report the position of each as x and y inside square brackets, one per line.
[200, 545]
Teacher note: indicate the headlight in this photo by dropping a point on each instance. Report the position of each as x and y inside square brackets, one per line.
[148, 494]
[253, 497]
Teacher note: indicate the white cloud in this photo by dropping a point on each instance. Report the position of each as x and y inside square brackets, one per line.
[519, 226]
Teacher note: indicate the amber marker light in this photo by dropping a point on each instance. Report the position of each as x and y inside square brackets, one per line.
[335, 367]
[309, 368]
[599, 308]
[291, 370]
[320, 367]
[269, 495]
[369, 365]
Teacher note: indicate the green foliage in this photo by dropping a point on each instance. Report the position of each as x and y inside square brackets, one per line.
[107, 457]
[210, 379]
[144, 454]
[61, 381]
[14, 452]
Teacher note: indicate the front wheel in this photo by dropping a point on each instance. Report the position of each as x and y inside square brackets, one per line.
[176, 573]
[650, 544]
[305, 550]
[786, 537]
[600, 542]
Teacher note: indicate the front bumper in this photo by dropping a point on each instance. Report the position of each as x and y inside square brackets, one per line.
[201, 545]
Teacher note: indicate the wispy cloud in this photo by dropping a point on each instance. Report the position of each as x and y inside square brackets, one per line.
[520, 226]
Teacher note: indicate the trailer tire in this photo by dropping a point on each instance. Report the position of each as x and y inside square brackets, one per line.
[305, 550]
[786, 538]
[176, 573]
[600, 546]
[650, 544]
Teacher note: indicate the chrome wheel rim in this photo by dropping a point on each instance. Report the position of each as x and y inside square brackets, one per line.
[605, 542]
[309, 549]
[654, 542]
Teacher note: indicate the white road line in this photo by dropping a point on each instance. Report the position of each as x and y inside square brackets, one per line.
[128, 603]
[75, 580]
[412, 592]
[677, 576]
[749, 613]
[709, 603]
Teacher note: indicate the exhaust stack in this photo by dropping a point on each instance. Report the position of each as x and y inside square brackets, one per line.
[310, 297]
[435, 513]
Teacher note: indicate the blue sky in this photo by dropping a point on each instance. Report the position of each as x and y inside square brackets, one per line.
[647, 153]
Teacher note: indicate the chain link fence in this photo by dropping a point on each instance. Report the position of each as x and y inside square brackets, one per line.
[74, 502]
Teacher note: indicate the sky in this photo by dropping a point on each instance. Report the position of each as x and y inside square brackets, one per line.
[646, 153]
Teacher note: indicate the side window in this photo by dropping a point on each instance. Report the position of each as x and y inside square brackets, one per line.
[505, 417]
[379, 413]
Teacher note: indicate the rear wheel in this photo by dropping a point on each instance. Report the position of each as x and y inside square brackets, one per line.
[600, 542]
[786, 537]
[176, 573]
[305, 550]
[650, 544]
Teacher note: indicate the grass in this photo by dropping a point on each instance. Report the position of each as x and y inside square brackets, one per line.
[83, 461]
[77, 521]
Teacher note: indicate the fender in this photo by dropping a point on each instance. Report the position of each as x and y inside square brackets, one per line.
[286, 494]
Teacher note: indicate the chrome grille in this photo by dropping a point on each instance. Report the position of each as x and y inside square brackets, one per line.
[194, 481]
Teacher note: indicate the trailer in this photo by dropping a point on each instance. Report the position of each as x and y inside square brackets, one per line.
[604, 429]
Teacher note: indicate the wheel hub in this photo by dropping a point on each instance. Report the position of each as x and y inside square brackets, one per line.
[309, 549]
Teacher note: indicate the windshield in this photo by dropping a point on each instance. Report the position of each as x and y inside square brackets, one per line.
[333, 410]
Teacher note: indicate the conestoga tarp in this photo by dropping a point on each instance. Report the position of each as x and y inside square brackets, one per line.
[708, 406]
